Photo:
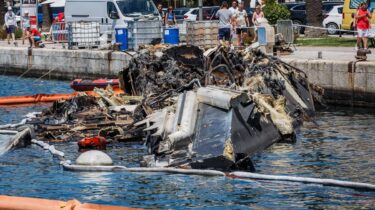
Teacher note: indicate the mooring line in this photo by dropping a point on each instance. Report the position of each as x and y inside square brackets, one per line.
[236, 175]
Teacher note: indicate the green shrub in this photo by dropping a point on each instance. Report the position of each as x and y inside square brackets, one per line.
[18, 33]
[3, 33]
[274, 11]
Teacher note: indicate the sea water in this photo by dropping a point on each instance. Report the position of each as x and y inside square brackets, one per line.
[341, 145]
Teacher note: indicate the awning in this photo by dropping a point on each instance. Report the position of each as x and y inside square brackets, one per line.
[48, 2]
[58, 3]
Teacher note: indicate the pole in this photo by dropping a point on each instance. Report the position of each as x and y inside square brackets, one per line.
[200, 5]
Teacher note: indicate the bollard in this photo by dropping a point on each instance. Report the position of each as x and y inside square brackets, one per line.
[320, 56]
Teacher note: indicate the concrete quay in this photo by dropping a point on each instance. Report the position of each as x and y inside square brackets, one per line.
[61, 64]
[346, 82]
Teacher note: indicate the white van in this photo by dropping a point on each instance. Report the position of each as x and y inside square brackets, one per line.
[110, 13]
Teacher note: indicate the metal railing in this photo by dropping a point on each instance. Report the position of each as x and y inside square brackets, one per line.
[59, 32]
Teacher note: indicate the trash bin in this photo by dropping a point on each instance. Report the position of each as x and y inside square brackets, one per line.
[122, 37]
[171, 36]
[262, 39]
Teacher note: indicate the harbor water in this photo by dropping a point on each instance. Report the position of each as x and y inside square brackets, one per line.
[340, 145]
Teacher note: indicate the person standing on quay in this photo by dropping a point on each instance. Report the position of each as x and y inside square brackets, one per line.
[11, 25]
[234, 7]
[363, 25]
[242, 22]
[170, 17]
[161, 13]
[225, 17]
[258, 15]
[25, 23]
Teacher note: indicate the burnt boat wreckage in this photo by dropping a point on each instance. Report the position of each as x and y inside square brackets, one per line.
[215, 109]
[192, 109]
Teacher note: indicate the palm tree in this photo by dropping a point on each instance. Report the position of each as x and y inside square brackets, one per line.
[2, 12]
[47, 16]
[314, 18]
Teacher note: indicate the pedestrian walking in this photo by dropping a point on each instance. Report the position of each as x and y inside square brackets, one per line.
[363, 25]
[234, 7]
[11, 25]
[242, 23]
[170, 17]
[258, 14]
[25, 23]
[161, 13]
[225, 20]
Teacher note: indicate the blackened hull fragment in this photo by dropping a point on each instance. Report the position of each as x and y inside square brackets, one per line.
[303, 90]
[256, 134]
[225, 137]
[212, 130]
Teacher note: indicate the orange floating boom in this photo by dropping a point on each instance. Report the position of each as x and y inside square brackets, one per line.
[24, 203]
[43, 98]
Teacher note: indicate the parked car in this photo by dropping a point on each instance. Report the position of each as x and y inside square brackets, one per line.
[208, 13]
[289, 5]
[109, 13]
[333, 19]
[180, 12]
[298, 12]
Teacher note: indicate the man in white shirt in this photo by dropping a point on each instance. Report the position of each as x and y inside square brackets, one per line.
[234, 7]
[225, 20]
[242, 22]
[11, 25]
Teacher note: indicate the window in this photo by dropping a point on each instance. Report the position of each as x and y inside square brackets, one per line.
[339, 10]
[29, 2]
[111, 8]
[354, 4]
[137, 7]
[299, 7]
[328, 7]
[372, 4]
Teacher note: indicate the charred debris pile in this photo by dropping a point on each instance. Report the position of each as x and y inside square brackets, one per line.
[209, 109]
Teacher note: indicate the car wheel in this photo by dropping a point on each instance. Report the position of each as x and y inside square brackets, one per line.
[298, 29]
[332, 28]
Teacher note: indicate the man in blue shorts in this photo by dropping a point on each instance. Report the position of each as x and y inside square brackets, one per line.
[225, 17]
[11, 25]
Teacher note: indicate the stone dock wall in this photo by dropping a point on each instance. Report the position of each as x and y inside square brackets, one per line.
[62, 64]
[345, 82]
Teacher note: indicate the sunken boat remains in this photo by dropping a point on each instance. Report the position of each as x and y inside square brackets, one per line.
[215, 109]
[192, 108]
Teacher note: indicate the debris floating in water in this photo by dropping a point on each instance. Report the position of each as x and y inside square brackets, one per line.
[192, 109]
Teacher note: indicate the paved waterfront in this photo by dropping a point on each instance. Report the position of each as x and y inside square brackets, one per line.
[328, 53]
[310, 53]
